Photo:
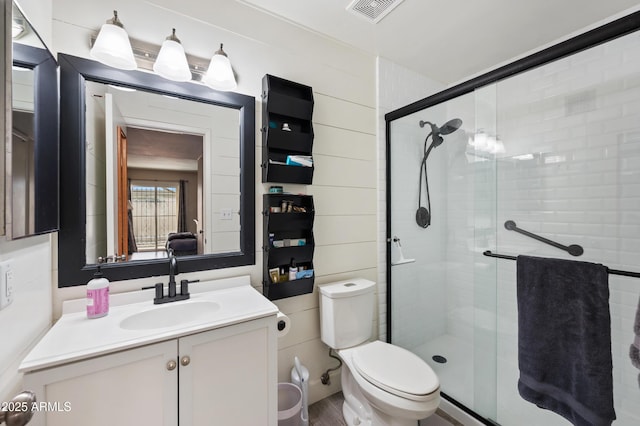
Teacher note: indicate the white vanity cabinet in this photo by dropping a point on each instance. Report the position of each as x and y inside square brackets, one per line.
[224, 376]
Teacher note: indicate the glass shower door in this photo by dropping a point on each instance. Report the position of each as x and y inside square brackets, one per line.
[442, 288]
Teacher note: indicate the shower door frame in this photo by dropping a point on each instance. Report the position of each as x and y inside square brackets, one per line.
[602, 34]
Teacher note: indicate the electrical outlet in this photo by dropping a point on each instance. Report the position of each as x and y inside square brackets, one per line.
[6, 284]
[226, 214]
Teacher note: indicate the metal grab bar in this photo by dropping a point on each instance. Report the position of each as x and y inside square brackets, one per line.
[573, 249]
[609, 270]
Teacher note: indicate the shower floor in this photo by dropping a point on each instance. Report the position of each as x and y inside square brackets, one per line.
[456, 375]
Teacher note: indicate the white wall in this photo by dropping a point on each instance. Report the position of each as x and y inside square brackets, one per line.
[344, 187]
[29, 316]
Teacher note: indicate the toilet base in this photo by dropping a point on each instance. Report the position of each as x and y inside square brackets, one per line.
[357, 411]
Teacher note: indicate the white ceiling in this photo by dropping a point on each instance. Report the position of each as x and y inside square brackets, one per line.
[451, 40]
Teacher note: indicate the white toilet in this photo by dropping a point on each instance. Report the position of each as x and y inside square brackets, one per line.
[382, 384]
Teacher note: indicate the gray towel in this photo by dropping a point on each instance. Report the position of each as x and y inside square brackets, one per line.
[564, 339]
[634, 349]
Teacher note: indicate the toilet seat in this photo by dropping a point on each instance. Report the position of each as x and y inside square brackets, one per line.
[395, 370]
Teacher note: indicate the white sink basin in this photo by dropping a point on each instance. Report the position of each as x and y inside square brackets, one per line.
[170, 315]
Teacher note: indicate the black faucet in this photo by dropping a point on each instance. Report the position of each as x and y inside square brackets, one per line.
[172, 296]
[173, 270]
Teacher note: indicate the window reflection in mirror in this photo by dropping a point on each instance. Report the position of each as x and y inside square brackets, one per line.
[161, 173]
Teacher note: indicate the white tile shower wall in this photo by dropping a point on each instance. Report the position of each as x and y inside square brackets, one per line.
[344, 187]
[578, 120]
[396, 87]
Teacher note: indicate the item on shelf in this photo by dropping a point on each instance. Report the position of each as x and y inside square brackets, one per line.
[275, 209]
[271, 238]
[273, 125]
[274, 274]
[275, 189]
[293, 270]
[278, 243]
[300, 160]
[283, 277]
[285, 127]
[280, 163]
[307, 273]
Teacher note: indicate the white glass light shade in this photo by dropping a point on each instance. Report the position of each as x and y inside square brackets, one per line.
[17, 29]
[171, 62]
[220, 76]
[112, 47]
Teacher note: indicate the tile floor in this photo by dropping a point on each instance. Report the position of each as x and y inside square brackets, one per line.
[328, 412]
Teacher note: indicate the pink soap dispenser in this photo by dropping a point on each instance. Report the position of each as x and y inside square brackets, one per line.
[97, 296]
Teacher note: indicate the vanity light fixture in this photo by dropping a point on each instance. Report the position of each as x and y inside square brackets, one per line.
[112, 46]
[220, 76]
[171, 62]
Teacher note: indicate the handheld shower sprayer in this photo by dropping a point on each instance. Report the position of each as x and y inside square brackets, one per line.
[423, 214]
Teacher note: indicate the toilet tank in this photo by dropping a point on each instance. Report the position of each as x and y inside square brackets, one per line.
[346, 312]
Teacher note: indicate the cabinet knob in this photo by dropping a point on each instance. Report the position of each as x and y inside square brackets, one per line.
[185, 360]
[171, 365]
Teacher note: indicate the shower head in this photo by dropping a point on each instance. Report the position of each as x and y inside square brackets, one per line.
[450, 126]
[437, 132]
[423, 215]
[447, 128]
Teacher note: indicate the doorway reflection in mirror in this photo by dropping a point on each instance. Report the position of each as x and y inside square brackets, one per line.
[160, 171]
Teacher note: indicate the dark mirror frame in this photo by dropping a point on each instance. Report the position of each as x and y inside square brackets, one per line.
[72, 267]
[46, 125]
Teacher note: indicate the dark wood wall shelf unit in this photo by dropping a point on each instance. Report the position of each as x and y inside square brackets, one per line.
[286, 104]
[285, 228]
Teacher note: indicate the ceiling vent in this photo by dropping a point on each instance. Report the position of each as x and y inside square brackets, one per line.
[373, 10]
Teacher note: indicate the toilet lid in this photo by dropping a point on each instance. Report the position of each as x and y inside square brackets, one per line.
[395, 370]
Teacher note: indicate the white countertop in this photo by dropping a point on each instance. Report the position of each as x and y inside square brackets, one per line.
[75, 337]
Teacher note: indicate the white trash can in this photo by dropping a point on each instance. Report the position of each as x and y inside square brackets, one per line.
[289, 404]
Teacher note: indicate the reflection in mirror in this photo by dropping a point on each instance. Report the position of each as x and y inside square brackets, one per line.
[163, 164]
[32, 154]
[161, 173]
[22, 152]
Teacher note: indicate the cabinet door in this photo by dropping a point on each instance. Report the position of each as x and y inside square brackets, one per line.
[231, 376]
[128, 388]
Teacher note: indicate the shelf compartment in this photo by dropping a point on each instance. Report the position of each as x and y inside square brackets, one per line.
[279, 173]
[294, 141]
[282, 256]
[287, 97]
[287, 221]
[287, 105]
[285, 289]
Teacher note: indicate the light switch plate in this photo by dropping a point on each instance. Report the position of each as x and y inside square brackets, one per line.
[6, 284]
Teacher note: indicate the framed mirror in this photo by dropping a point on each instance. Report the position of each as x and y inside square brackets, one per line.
[32, 148]
[150, 165]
